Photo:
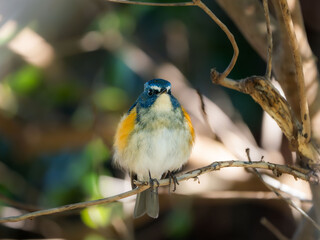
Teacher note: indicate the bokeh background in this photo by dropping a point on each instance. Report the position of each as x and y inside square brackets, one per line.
[70, 69]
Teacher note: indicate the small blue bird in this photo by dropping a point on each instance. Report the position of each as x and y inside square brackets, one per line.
[153, 138]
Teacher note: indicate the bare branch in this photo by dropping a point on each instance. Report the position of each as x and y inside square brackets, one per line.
[19, 205]
[265, 222]
[269, 36]
[222, 76]
[204, 113]
[304, 108]
[219, 77]
[73, 206]
[154, 4]
[277, 169]
[268, 97]
[288, 200]
[292, 204]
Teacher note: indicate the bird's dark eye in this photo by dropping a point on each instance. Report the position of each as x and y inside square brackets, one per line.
[150, 92]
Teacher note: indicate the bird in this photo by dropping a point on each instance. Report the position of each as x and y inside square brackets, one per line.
[153, 138]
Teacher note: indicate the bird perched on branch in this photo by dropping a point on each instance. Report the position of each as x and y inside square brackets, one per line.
[153, 138]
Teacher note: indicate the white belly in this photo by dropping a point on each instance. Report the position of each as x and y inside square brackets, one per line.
[158, 151]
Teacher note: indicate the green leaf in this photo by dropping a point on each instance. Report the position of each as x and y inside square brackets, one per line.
[110, 98]
[94, 237]
[96, 151]
[96, 216]
[26, 80]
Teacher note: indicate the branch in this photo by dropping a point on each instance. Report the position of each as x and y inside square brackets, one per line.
[271, 101]
[265, 222]
[304, 109]
[277, 169]
[268, 97]
[73, 206]
[269, 36]
[204, 113]
[287, 200]
[154, 4]
[230, 36]
[221, 76]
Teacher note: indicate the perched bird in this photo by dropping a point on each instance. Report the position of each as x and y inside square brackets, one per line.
[153, 138]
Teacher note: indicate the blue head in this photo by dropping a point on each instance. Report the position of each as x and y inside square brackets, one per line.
[157, 86]
[152, 90]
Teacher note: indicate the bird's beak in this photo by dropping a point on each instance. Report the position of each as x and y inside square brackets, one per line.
[163, 90]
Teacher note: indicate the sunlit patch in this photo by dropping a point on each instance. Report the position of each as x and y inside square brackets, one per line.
[32, 47]
[137, 60]
[91, 41]
[7, 30]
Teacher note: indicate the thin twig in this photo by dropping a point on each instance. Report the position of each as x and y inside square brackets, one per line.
[291, 192]
[230, 36]
[265, 222]
[204, 113]
[287, 200]
[154, 4]
[304, 109]
[9, 202]
[276, 168]
[73, 206]
[218, 77]
[269, 37]
[295, 206]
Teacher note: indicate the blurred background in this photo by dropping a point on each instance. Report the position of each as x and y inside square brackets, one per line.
[70, 69]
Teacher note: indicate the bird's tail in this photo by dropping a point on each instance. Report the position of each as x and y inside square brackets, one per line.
[147, 202]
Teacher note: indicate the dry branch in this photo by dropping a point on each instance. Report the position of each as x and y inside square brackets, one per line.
[265, 222]
[277, 169]
[286, 68]
[287, 200]
[153, 4]
[269, 36]
[304, 108]
[221, 76]
[266, 95]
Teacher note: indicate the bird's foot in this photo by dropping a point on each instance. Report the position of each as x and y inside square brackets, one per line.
[172, 179]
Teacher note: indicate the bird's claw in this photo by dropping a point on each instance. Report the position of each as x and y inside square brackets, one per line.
[174, 179]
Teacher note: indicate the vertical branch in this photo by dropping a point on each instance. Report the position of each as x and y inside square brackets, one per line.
[269, 37]
[304, 109]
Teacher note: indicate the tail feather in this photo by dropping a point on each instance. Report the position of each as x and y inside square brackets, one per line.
[147, 202]
[152, 203]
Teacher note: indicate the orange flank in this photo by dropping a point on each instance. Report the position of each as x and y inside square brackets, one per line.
[124, 129]
[187, 117]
